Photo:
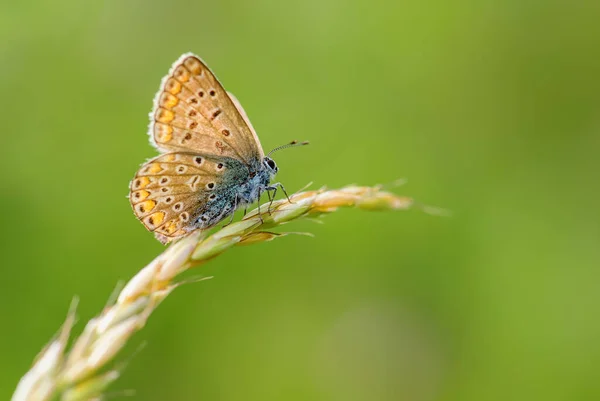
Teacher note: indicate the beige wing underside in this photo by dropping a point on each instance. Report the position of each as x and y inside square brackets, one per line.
[193, 112]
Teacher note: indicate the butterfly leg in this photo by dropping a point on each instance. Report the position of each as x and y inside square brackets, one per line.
[271, 197]
[273, 187]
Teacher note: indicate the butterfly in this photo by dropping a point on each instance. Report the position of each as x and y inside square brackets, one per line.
[211, 160]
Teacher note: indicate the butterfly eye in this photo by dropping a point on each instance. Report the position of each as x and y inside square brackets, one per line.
[271, 164]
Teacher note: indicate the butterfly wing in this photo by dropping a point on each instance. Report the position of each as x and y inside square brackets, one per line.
[192, 112]
[178, 192]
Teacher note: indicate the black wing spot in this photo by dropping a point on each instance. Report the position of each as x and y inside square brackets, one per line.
[216, 113]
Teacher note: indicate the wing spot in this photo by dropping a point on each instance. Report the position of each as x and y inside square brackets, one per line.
[193, 100]
[198, 160]
[153, 168]
[181, 169]
[210, 185]
[226, 132]
[193, 65]
[216, 113]
[212, 197]
[146, 206]
[220, 146]
[194, 181]
[192, 113]
[177, 206]
[155, 219]
[168, 200]
[168, 101]
[164, 189]
[169, 227]
[141, 195]
[201, 93]
[185, 216]
[164, 180]
[181, 74]
[212, 93]
[220, 166]
[204, 218]
[164, 116]
[141, 182]
[193, 124]
[163, 132]
[173, 86]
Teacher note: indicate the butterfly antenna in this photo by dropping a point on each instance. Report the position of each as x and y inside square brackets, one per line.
[288, 145]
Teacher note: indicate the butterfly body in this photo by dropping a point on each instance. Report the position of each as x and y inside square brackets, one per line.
[240, 186]
[212, 162]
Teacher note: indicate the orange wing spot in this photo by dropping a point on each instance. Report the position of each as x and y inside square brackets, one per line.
[164, 115]
[170, 227]
[169, 157]
[173, 86]
[181, 74]
[146, 206]
[153, 168]
[155, 219]
[168, 101]
[140, 182]
[163, 132]
[140, 195]
[192, 64]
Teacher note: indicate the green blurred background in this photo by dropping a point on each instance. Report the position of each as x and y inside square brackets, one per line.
[490, 109]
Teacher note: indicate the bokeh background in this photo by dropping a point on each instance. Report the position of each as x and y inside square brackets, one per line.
[489, 109]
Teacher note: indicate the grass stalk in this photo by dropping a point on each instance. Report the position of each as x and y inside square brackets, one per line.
[82, 372]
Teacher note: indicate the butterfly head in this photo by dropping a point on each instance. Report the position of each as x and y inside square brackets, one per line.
[270, 165]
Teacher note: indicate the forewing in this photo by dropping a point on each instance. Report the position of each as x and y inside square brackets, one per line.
[169, 192]
[192, 112]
